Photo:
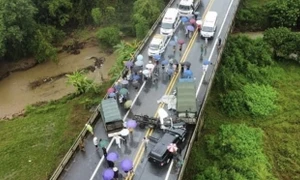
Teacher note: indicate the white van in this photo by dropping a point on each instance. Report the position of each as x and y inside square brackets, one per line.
[158, 44]
[209, 25]
[186, 7]
[170, 22]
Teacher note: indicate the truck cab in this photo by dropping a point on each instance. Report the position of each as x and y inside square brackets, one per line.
[209, 25]
[111, 115]
[170, 22]
[186, 7]
[186, 106]
[158, 44]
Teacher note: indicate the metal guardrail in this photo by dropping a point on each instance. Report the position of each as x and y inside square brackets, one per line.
[200, 121]
[94, 116]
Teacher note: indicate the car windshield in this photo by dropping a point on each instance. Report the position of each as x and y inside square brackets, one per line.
[184, 8]
[154, 46]
[207, 29]
[167, 25]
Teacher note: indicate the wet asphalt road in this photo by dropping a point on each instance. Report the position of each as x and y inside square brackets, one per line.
[82, 165]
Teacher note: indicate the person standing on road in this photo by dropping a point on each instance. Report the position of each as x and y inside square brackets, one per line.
[110, 163]
[103, 147]
[116, 173]
[95, 141]
[145, 141]
[89, 128]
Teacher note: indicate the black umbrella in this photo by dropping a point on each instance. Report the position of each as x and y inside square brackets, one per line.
[187, 64]
[136, 68]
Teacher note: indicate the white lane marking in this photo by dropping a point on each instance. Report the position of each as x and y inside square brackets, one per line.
[213, 49]
[201, 81]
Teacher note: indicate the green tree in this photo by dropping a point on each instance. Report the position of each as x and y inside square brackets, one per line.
[149, 9]
[19, 24]
[110, 15]
[2, 36]
[260, 99]
[59, 11]
[284, 13]
[109, 36]
[97, 16]
[237, 153]
[141, 27]
[81, 82]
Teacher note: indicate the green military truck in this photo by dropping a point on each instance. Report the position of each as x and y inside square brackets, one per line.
[111, 115]
[186, 105]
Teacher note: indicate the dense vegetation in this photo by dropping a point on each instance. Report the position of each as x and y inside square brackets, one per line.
[31, 27]
[258, 90]
[258, 15]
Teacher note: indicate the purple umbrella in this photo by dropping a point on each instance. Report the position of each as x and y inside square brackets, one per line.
[112, 156]
[129, 64]
[206, 62]
[190, 28]
[108, 174]
[131, 123]
[126, 165]
[124, 82]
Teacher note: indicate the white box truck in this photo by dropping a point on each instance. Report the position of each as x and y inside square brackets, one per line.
[209, 25]
[186, 7]
[158, 44]
[170, 22]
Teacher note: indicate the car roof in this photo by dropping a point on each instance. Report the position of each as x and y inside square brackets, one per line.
[186, 2]
[161, 147]
[157, 39]
[170, 15]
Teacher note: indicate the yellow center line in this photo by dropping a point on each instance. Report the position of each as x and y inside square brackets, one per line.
[168, 91]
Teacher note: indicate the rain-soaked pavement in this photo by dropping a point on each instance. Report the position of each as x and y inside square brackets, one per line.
[83, 164]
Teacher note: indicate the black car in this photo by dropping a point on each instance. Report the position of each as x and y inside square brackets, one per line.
[159, 154]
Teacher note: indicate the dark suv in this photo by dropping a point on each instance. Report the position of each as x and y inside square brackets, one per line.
[159, 154]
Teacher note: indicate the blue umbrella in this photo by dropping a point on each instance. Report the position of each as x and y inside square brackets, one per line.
[112, 156]
[190, 28]
[157, 57]
[172, 43]
[139, 63]
[136, 77]
[112, 95]
[187, 73]
[184, 19]
[165, 62]
[126, 165]
[108, 174]
[170, 71]
[206, 62]
[140, 57]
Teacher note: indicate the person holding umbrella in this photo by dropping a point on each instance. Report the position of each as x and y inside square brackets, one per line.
[111, 158]
[127, 166]
[108, 174]
[116, 173]
[103, 144]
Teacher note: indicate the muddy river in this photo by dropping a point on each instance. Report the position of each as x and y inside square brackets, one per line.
[15, 93]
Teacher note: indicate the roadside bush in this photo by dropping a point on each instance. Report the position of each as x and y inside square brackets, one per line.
[81, 83]
[233, 103]
[260, 99]
[97, 16]
[109, 36]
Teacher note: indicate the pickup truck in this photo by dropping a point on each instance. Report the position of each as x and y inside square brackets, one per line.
[160, 155]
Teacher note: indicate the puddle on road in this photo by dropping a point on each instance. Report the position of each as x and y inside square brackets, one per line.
[15, 93]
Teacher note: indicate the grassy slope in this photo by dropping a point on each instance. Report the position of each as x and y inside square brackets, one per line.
[282, 130]
[31, 147]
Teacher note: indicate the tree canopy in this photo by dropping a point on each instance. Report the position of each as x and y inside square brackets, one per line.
[237, 153]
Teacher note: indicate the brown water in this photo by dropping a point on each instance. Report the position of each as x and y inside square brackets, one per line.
[15, 93]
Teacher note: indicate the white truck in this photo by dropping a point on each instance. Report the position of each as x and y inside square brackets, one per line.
[209, 25]
[170, 22]
[158, 44]
[187, 7]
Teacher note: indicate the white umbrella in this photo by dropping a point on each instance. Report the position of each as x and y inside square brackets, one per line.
[199, 22]
[146, 72]
[124, 132]
[172, 147]
[139, 63]
[150, 66]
